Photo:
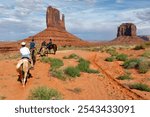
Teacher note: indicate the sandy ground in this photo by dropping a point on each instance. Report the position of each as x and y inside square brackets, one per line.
[102, 86]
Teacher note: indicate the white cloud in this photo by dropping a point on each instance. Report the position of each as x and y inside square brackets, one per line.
[83, 17]
[119, 1]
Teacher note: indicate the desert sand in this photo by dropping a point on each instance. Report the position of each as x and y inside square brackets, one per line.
[101, 86]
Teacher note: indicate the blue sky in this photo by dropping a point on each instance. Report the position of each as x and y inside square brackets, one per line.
[87, 19]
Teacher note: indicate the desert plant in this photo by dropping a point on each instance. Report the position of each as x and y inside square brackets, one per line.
[44, 93]
[125, 77]
[92, 71]
[131, 63]
[143, 66]
[59, 74]
[139, 47]
[71, 56]
[110, 59]
[72, 71]
[140, 86]
[121, 57]
[84, 66]
[146, 54]
[45, 60]
[55, 63]
[77, 90]
[112, 51]
[2, 97]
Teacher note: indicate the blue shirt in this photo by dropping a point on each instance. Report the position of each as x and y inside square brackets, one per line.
[32, 45]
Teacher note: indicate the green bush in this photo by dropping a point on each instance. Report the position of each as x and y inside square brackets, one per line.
[77, 90]
[44, 93]
[110, 59]
[146, 54]
[125, 77]
[59, 74]
[121, 57]
[92, 71]
[140, 86]
[55, 63]
[131, 63]
[72, 71]
[83, 65]
[112, 51]
[139, 47]
[45, 60]
[71, 56]
[144, 66]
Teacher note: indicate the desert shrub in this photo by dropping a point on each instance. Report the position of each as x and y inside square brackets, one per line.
[2, 97]
[131, 63]
[112, 51]
[55, 63]
[92, 71]
[146, 54]
[44, 93]
[71, 56]
[125, 77]
[140, 86]
[139, 47]
[59, 74]
[110, 59]
[72, 71]
[121, 57]
[143, 66]
[77, 90]
[84, 66]
[45, 60]
[146, 44]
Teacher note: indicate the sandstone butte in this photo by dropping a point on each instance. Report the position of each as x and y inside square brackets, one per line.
[126, 34]
[56, 30]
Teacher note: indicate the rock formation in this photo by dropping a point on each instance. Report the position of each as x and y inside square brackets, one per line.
[126, 29]
[145, 37]
[126, 34]
[53, 18]
[56, 30]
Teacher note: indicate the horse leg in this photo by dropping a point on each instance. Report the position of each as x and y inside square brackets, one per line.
[24, 79]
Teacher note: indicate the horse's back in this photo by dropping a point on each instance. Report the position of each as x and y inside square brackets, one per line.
[24, 63]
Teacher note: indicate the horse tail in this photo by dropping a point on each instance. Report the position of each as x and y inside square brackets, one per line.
[25, 70]
[54, 48]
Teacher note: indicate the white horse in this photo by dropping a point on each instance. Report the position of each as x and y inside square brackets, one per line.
[23, 70]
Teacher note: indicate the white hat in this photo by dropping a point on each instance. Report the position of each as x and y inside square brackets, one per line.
[23, 43]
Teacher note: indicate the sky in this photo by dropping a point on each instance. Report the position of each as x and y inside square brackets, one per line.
[87, 19]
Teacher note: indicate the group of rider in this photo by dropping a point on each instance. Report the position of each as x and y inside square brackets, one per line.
[26, 52]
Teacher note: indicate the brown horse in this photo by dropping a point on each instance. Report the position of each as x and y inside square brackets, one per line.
[54, 47]
[23, 69]
[45, 50]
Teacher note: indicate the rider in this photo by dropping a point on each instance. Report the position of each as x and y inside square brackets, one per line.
[32, 44]
[25, 53]
[49, 44]
[43, 44]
